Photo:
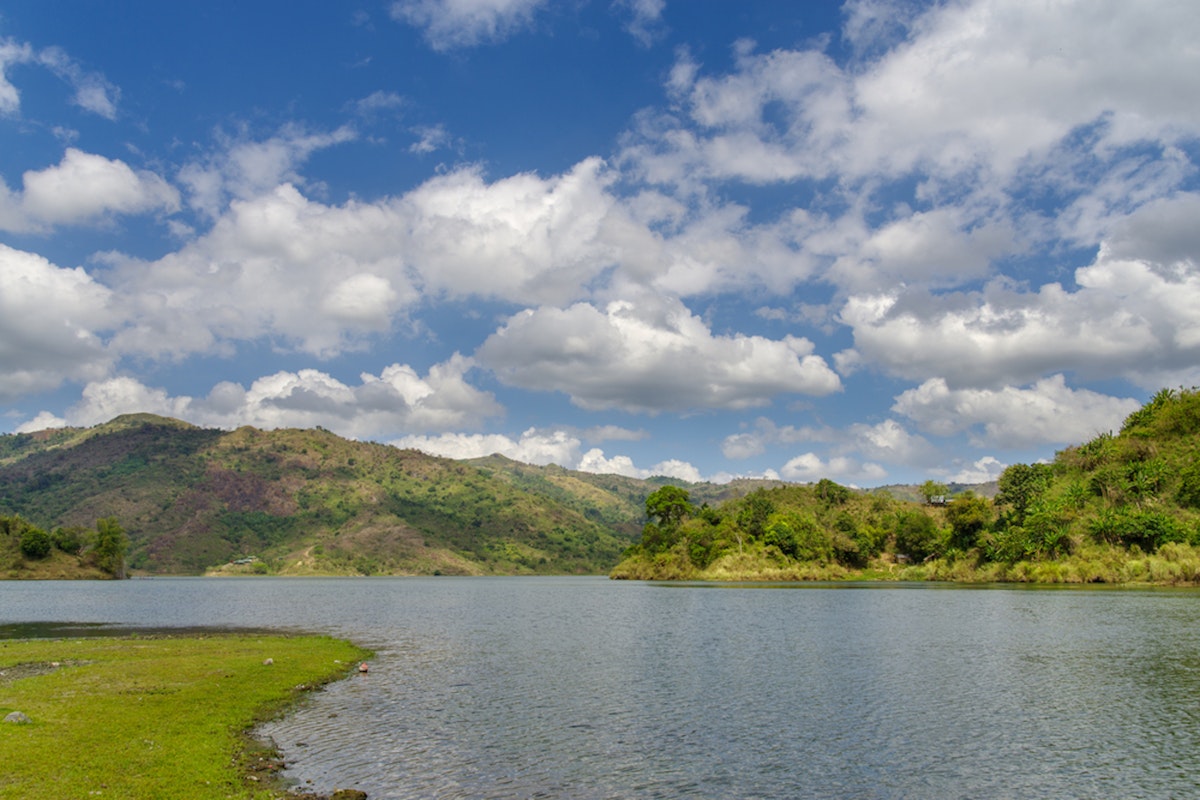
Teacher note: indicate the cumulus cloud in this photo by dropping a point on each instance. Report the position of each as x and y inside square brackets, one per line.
[983, 470]
[855, 450]
[83, 188]
[1128, 318]
[542, 447]
[450, 24]
[52, 323]
[397, 400]
[279, 266]
[809, 467]
[1048, 412]
[649, 358]
[919, 152]
[243, 168]
[523, 238]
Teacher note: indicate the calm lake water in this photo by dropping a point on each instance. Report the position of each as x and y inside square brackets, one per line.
[587, 688]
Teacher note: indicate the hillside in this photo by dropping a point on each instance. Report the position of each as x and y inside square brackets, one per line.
[1121, 508]
[309, 502]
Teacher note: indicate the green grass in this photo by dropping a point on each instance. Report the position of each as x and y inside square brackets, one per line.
[148, 718]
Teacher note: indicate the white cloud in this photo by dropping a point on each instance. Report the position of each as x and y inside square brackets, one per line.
[925, 247]
[92, 91]
[1048, 412]
[537, 446]
[649, 357]
[984, 470]
[522, 238]
[278, 266]
[1128, 318]
[645, 19]
[534, 446]
[51, 324]
[11, 53]
[449, 24]
[929, 155]
[244, 168]
[432, 138]
[809, 468]
[397, 400]
[853, 451]
[85, 187]
[766, 433]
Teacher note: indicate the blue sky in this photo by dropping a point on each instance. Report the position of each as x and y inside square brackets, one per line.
[878, 242]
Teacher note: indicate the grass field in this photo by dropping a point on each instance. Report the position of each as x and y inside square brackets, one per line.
[155, 718]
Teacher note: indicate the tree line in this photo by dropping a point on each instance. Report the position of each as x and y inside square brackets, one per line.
[1123, 495]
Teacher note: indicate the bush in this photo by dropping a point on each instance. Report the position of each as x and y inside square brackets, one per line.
[1146, 529]
[35, 543]
[1188, 493]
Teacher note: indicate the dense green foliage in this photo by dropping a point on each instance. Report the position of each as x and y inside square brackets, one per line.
[307, 502]
[29, 551]
[1122, 507]
[150, 717]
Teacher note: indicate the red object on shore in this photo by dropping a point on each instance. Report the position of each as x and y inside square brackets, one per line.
[362, 667]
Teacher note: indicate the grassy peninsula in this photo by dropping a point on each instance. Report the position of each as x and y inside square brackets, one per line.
[1121, 508]
[151, 717]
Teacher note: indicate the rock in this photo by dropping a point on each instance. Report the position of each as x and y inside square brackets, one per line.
[348, 794]
[18, 718]
[268, 662]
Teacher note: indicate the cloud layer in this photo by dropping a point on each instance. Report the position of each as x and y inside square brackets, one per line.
[937, 238]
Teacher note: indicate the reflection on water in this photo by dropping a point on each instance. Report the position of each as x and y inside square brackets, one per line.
[585, 688]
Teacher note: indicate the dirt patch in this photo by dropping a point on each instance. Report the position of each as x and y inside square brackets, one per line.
[32, 669]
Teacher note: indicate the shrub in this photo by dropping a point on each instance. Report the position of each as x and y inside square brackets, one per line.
[35, 543]
[1188, 493]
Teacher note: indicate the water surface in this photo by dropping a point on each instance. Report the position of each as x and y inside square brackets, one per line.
[586, 688]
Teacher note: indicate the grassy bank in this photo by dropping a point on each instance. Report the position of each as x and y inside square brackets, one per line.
[1173, 564]
[150, 717]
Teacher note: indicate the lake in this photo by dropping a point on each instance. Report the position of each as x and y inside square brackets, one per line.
[589, 688]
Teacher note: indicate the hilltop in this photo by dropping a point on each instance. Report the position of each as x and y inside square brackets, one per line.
[300, 502]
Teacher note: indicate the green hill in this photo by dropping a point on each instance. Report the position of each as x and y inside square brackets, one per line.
[309, 502]
[1121, 508]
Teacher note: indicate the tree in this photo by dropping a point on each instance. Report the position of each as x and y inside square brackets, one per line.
[1020, 486]
[916, 535]
[110, 546]
[833, 494]
[968, 516]
[668, 506]
[931, 489]
[756, 509]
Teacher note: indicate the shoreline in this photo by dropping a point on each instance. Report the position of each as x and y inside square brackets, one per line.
[157, 715]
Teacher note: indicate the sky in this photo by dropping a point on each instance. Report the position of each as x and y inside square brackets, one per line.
[881, 242]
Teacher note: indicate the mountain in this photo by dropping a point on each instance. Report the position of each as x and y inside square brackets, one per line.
[309, 502]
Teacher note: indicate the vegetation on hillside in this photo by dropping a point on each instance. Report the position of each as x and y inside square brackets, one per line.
[1123, 507]
[309, 502]
[64, 552]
